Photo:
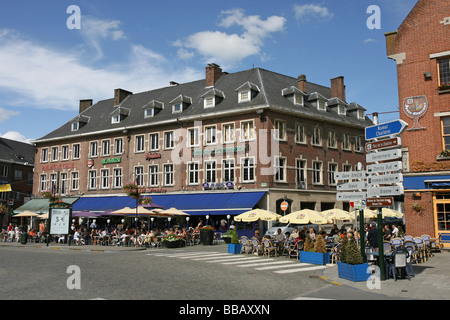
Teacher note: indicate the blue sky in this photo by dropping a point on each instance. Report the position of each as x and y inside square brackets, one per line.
[139, 45]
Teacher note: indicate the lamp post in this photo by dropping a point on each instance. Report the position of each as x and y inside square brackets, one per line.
[207, 218]
[187, 222]
[168, 219]
[228, 219]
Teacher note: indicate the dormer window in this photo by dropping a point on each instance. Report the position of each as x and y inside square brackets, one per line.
[148, 113]
[152, 108]
[115, 119]
[209, 102]
[247, 92]
[361, 115]
[212, 97]
[78, 122]
[180, 103]
[342, 110]
[294, 95]
[321, 105]
[298, 99]
[119, 114]
[318, 100]
[75, 126]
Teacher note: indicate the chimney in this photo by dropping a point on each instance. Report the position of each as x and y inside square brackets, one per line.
[338, 88]
[301, 80]
[84, 104]
[213, 73]
[120, 95]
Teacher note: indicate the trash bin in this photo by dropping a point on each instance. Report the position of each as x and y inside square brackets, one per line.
[23, 238]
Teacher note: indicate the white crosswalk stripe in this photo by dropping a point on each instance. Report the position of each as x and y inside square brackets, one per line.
[242, 261]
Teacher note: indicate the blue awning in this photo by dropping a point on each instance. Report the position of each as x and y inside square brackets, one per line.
[194, 204]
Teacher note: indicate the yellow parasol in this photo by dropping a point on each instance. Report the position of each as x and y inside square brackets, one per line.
[305, 216]
[255, 215]
[26, 213]
[337, 214]
[172, 212]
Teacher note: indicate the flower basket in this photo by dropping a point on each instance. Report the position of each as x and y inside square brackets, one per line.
[3, 209]
[206, 235]
[314, 257]
[353, 272]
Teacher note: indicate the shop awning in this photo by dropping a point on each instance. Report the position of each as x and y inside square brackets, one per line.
[194, 204]
[40, 205]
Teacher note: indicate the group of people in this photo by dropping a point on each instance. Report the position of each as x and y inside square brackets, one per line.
[12, 233]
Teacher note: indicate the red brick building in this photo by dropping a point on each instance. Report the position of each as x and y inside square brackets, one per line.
[253, 132]
[421, 49]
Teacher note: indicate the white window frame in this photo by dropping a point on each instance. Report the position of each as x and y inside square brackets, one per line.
[316, 139]
[139, 176]
[193, 171]
[65, 152]
[298, 97]
[243, 98]
[209, 102]
[172, 141]
[169, 174]
[153, 175]
[139, 143]
[64, 182]
[301, 171]
[106, 146]
[321, 106]
[44, 155]
[250, 168]
[175, 105]
[152, 141]
[115, 119]
[210, 135]
[117, 177]
[280, 169]
[75, 126]
[43, 183]
[228, 131]
[75, 180]
[210, 168]
[118, 146]
[54, 155]
[346, 142]
[331, 141]
[251, 130]
[193, 134]
[342, 110]
[92, 179]
[104, 179]
[317, 176]
[280, 130]
[149, 113]
[76, 151]
[230, 169]
[300, 131]
[332, 168]
[92, 149]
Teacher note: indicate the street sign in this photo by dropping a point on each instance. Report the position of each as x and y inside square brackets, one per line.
[385, 191]
[385, 167]
[284, 206]
[380, 202]
[384, 155]
[359, 204]
[383, 144]
[385, 129]
[352, 185]
[351, 196]
[386, 179]
[350, 175]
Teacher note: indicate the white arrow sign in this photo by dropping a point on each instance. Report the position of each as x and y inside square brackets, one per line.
[385, 167]
[352, 186]
[385, 191]
[386, 179]
[350, 175]
[384, 155]
[351, 196]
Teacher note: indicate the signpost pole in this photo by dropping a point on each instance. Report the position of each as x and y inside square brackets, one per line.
[362, 235]
[381, 262]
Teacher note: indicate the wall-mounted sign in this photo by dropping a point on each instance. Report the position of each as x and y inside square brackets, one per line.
[152, 155]
[218, 185]
[220, 150]
[415, 108]
[112, 160]
[90, 163]
[59, 166]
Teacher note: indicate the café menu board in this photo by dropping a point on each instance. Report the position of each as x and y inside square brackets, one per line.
[59, 221]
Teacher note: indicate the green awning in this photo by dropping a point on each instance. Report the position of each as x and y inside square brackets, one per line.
[40, 205]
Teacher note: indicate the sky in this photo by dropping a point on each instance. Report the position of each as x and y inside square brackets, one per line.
[54, 53]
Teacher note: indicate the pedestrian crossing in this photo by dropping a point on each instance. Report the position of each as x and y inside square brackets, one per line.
[275, 265]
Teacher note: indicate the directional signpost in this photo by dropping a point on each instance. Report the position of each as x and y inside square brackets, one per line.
[385, 129]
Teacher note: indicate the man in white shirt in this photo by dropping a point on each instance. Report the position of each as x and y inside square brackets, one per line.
[279, 236]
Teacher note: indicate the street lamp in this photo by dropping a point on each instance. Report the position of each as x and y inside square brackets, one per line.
[187, 222]
[169, 221]
[151, 219]
[228, 218]
[207, 218]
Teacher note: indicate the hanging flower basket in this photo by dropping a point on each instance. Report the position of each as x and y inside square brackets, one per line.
[3, 209]
[145, 200]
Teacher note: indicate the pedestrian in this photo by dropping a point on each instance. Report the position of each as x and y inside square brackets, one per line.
[394, 231]
[387, 234]
[372, 237]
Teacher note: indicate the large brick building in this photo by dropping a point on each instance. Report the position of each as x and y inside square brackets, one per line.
[421, 49]
[253, 137]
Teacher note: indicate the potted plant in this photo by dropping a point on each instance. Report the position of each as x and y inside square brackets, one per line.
[316, 253]
[172, 241]
[206, 235]
[235, 246]
[351, 266]
[227, 236]
[417, 207]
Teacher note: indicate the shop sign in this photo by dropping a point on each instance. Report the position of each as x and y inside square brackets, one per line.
[218, 185]
[112, 160]
[60, 166]
[220, 150]
[152, 155]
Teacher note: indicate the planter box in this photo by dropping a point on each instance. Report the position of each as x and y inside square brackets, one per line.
[173, 244]
[234, 248]
[206, 237]
[314, 257]
[357, 272]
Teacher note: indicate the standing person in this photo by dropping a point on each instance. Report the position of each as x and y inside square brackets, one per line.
[394, 231]
[387, 234]
[372, 237]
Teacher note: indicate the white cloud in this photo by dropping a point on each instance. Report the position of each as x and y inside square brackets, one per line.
[225, 48]
[45, 77]
[7, 114]
[14, 135]
[311, 11]
[369, 40]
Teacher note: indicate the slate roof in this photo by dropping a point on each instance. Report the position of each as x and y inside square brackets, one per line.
[12, 151]
[267, 88]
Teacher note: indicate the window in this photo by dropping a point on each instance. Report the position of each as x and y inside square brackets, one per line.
[139, 176]
[280, 169]
[193, 135]
[43, 182]
[192, 173]
[301, 174]
[228, 170]
[361, 115]
[342, 110]
[64, 183]
[359, 144]
[118, 146]
[55, 153]
[139, 144]
[93, 149]
[117, 178]
[153, 176]
[148, 113]
[442, 213]
[300, 136]
[169, 140]
[75, 126]
[248, 169]
[317, 172]
[177, 107]
[316, 138]
[321, 105]
[115, 119]
[244, 96]
[332, 139]
[53, 182]
[76, 151]
[65, 153]
[44, 155]
[332, 168]
[210, 135]
[75, 185]
[17, 174]
[168, 174]
[5, 171]
[209, 102]
[154, 141]
[346, 144]
[347, 168]
[104, 175]
[280, 130]
[210, 171]
[92, 179]
[444, 71]
[298, 99]
[228, 132]
[446, 133]
[106, 147]
[247, 131]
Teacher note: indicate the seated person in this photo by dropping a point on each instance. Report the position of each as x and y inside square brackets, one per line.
[294, 234]
[278, 236]
[258, 236]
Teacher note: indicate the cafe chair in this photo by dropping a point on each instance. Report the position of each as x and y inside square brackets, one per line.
[335, 253]
[294, 249]
[269, 248]
[257, 246]
[436, 245]
[427, 240]
[398, 262]
[408, 238]
[421, 249]
[396, 242]
[387, 246]
[246, 245]
[412, 250]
